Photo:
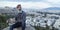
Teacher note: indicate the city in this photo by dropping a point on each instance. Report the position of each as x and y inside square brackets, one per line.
[39, 18]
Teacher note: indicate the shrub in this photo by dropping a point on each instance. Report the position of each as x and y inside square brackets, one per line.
[3, 19]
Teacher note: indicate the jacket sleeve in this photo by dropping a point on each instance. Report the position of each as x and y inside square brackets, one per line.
[24, 20]
[16, 17]
[24, 16]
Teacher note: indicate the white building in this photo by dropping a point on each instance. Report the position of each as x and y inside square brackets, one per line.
[57, 24]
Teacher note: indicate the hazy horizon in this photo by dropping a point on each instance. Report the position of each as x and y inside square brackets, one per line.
[39, 4]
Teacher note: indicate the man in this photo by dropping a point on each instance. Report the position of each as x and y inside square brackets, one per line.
[20, 19]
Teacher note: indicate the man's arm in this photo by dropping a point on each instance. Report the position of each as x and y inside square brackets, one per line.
[24, 20]
[24, 16]
[16, 17]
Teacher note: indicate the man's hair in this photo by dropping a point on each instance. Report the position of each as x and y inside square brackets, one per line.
[18, 5]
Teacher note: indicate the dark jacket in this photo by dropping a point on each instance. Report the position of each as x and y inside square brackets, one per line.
[21, 17]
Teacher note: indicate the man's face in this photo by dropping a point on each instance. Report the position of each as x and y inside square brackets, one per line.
[19, 8]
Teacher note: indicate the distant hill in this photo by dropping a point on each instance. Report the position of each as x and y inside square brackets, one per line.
[9, 11]
[52, 8]
[14, 11]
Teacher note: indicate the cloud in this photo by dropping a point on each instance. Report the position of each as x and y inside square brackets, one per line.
[23, 0]
[31, 0]
[10, 4]
[35, 5]
[53, 3]
[26, 4]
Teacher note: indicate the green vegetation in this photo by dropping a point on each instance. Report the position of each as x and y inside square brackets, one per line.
[3, 19]
[41, 28]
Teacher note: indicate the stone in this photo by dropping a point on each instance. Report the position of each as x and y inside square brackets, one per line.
[27, 28]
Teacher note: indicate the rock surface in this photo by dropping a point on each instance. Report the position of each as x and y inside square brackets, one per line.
[27, 28]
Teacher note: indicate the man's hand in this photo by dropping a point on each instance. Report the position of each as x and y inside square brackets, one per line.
[11, 21]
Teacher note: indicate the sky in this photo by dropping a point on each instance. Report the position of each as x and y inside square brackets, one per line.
[38, 4]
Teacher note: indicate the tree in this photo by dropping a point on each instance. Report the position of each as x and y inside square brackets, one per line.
[3, 19]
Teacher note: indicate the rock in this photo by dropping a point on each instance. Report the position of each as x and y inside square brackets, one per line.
[27, 28]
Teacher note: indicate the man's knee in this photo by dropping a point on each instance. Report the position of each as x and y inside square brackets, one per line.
[12, 26]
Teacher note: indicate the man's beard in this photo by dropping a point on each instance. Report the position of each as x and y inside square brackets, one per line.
[19, 9]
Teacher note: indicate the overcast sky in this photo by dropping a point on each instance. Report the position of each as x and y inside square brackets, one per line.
[31, 3]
